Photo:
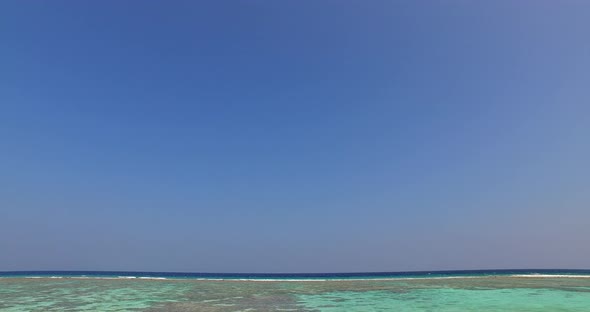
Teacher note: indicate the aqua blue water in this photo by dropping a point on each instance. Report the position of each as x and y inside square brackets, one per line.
[424, 291]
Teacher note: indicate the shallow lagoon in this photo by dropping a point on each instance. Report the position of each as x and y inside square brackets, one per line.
[451, 293]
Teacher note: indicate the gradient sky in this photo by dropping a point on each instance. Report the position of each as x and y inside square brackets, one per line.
[294, 136]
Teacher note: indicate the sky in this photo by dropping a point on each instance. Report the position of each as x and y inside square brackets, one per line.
[294, 136]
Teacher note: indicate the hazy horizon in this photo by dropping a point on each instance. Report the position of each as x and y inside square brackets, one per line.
[530, 271]
[308, 136]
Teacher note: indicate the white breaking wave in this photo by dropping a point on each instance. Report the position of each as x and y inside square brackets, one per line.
[534, 275]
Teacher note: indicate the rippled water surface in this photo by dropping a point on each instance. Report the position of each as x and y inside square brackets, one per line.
[483, 293]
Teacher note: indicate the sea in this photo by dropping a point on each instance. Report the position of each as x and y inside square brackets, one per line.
[489, 290]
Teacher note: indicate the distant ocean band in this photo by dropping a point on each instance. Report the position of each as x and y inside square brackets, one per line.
[306, 277]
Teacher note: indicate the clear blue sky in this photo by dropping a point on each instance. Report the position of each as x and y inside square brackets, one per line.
[294, 136]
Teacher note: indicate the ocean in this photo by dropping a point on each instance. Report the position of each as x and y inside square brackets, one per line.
[498, 290]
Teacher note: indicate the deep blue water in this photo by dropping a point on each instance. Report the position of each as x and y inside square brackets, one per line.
[293, 275]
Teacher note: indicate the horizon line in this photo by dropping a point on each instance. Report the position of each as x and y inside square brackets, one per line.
[303, 273]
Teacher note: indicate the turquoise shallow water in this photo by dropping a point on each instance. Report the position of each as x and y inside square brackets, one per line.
[458, 293]
[450, 300]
